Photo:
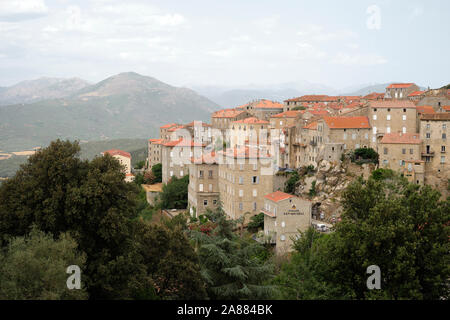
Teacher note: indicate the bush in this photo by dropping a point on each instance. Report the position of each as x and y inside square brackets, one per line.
[289, 186]
[157, 172]
[175, 193]
[256, 223]
[382, 174]
[363, 155]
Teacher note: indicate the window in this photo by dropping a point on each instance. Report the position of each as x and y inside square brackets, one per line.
[388, 117]
[254, 206]
[283, 224]
[428, 136]
[374, 130]
[210, 173]
[403, 151]
[428, 126]
[205, 202]
[404, 129]
[255, 179]
[200, 187]
[181, 173]
[411, 151]
[210, 187]
[241, 206]
[374, 117]
[214, 202]
[201, 173]
[388, 129]
[281, 123]
[354, 136]
[442, 148]
[444, 136]
[171, 173]
[443, 159]
[366, 136]
[241, 193]
[255, 166]
[255, 192]
[241, 180]
[385, 151]
[444, 126]
[282, 237]
[404, 117]
[357, 146]
[345, 136]
[241, 167]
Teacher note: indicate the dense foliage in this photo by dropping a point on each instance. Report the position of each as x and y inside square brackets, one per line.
[174, 194]
[364, 155]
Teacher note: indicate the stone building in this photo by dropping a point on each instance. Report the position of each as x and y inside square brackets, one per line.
[401, 152]
[400, 90]
[284, 119]
[222, 119]
[262, 109]
[176, 157]
[245, 175]
[203, 190]
[164, 132]
[353, 132]
[154, 152]
[391, 117]
[308, 100]
[248, 129]
[124, 159]
[435, 144]
[284, 216]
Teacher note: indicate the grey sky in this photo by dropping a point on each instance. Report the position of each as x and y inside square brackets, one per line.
[231, 43]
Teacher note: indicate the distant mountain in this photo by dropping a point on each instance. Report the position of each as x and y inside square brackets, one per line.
[229, 97]
[40, 89]
[127, 105]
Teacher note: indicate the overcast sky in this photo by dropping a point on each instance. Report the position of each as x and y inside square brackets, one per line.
[228, 42]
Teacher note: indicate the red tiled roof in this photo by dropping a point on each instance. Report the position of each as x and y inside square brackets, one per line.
[251, 120]
[173, 129]
[262, 104]
[374, 96]
[392, 104]
[311, 126]
[415, 93]
[201, 123]
[306, 98]
[117, 152]
[155, 141]
[287, 114]
[425, 109]
[399, 85]
[401, 138]
[182, 143]
[227, 113]
[278, 196]
[169, 125]
[347, 122]
[209, 158]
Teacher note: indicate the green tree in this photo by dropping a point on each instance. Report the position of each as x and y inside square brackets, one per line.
[230, 264]
[157, 172]
[174, 194]
[289, 186]
[34, 267]
[256, 222]
[400, 227]
[140, 164]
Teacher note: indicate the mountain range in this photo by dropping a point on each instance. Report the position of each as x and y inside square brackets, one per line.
[127, 105]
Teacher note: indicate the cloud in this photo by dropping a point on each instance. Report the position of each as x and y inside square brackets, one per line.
[268, 24]
[18, 10]
[314, 32]
[416, 11]
[306, 51]
[358, 59]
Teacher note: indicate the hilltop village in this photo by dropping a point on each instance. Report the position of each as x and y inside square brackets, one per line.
[243, 158]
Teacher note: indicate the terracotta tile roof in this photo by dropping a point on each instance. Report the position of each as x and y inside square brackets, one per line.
[129, 175]
[201, 123]
[251, 120]
[347, 122]
[227, 113]
[442, 116]
[446, 108]
[311, 126]
[182, 143]
[287, 114]
[392, 104]
[262, 104]
[169, 125]
[415, 93]
[155, 141]
[245, 152]
[173, 129]
[117, 152]
[209, 158]
[313, 98]
[278, 196]
[401, 138]
[399, 85]
[374, 96]
[425, 109]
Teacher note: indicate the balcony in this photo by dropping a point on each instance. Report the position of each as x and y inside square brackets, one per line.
[428, 154]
